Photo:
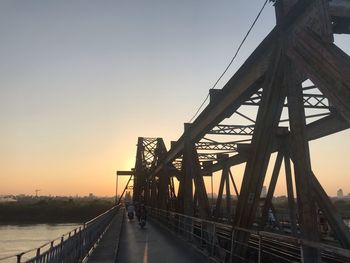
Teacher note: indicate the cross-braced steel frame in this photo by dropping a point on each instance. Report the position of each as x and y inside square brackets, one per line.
[299, 48]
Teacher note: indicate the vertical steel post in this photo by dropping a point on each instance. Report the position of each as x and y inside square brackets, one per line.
[228, 196]
[290, 191]
[212, 190]
[116, 188]
[187, 172]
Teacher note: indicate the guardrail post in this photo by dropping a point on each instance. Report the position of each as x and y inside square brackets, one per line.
[191, 228]
[201, 242]
[178, 224]
[213, 240]
[19, 258]
[80, 244]
[259, 255]
[168, 219]
[38, 252]
[301, 254]
[61, 245]
[232, 243]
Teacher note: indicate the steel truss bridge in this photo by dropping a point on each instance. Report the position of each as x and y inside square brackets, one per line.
[294, 88]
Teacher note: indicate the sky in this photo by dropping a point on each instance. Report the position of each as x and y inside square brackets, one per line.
[81, 80]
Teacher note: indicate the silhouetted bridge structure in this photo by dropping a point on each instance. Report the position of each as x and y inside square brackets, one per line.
[294, 88]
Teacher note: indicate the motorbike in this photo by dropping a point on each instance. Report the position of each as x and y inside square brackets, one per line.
[130, 215]
[142, 222]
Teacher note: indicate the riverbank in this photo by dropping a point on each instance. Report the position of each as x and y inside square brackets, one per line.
[52, 211]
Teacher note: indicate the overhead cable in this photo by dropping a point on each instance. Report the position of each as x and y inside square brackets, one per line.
[233, 58]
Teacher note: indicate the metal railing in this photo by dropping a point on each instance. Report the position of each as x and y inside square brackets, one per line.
[73, 246]
[216, 241]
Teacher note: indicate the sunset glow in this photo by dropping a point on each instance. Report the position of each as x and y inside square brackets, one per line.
[81, 81]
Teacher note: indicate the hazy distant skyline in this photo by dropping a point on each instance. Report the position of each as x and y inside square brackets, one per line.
[81, 80]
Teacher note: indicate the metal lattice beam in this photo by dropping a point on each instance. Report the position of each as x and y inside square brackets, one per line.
[230, 146]
[311, 101]
[232, 129]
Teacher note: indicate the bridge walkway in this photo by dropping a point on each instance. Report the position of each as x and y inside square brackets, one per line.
[152, 245]
[107, 248]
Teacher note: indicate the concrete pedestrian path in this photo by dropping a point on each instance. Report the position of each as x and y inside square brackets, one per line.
[107, 248]
[153, 245]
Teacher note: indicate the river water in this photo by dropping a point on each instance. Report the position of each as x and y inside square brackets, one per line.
[18, 238]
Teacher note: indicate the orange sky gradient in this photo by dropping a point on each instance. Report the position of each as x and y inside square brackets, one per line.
[81, 81]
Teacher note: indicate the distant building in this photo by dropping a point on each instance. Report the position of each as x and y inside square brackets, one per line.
[340, 193]
[263, 192]
[7, 199]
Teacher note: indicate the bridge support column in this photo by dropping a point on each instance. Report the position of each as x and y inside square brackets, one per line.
[154, 191]
[191, 170]
[187, 175]
[163, 177]
[202, 197]
[163, 190]
[147, 190]
[223, 181]
[139, 179]
[302, 164]
[234, 184]
[268, 116]
[228, 196]
[220, 193]
[290, 192]
[271, 190]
